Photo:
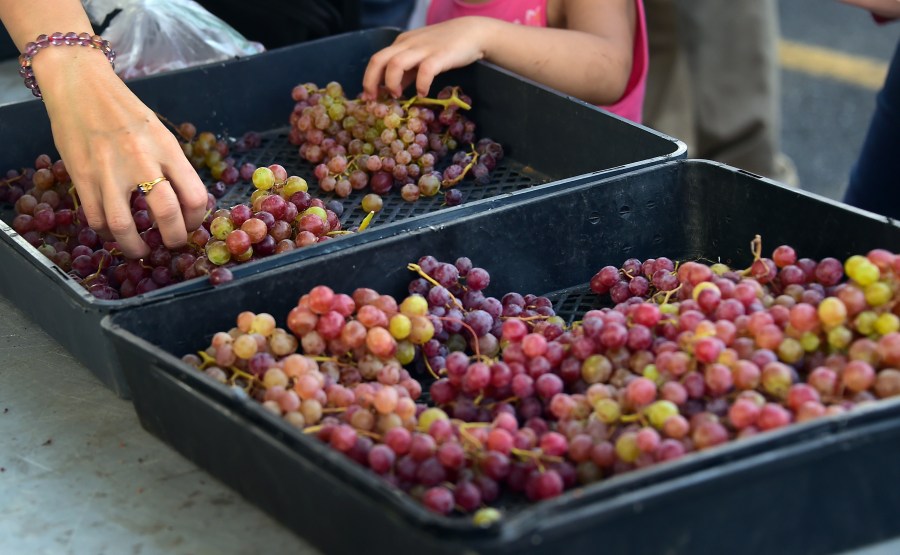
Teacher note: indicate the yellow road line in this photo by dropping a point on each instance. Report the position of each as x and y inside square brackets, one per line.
[824, 62]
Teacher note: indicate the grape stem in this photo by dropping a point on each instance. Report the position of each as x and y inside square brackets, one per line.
[74, 194]
[206, 358]
[366, 221]
[334, 410]
[527, 318]
[756, 249]
[445, 102]
[418, 269]
[465, 434]
[636, 417]
[669, 294]
[95, 275]
[238, 372]
[537, 456]
[430, 370]
[468, 327]
[507, 400]
[451, 182]
[11, 179]
[369, 434]
[174, 127]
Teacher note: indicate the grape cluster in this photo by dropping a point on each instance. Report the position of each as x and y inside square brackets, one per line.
[689, 356]
[205, 150]
[280, 216]
[387, 143]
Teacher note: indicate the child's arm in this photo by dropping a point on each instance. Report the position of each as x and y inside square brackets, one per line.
[590, 59]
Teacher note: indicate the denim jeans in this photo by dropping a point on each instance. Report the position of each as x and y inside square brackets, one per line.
[875, 178]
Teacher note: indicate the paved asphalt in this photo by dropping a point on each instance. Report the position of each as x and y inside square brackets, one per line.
[825, 120]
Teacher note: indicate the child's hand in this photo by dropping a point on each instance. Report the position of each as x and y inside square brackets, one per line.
[424, 53]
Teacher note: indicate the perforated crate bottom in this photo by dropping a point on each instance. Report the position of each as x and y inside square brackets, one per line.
[508, 176]
[573, 303]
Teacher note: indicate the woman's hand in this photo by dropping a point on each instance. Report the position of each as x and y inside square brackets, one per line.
[885, 8]
[424, 53]
[110, 141]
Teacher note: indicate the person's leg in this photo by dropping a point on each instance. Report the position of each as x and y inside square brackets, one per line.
[667, 101]
[732, 50]
[874, 178]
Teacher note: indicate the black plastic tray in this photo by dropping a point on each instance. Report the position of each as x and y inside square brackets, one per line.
[549, 138]
[817, 487]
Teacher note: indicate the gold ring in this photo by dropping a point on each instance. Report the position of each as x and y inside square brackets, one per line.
[147, 186]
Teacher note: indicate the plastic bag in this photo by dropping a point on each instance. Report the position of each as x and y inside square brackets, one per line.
[151, 36]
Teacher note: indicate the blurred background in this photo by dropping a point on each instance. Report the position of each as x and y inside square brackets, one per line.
[833, 61]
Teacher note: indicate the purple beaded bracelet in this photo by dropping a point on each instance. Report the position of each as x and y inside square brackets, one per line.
[59, 39]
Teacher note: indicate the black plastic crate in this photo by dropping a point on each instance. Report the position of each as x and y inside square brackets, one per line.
[817, 487]
[550, 139]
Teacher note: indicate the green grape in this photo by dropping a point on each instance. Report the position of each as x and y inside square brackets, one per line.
[865, 321]
[263, 178]
[218, 253]
[865, 273]
[651, 372]
[294, 184]
[414, 305]
[832, 312]
[878, 293]
[400, 326]
[810, 342]
[372, 203]
[320, 212]
[247, 255]
[430, 416]
[887, 323]
[627, 448]
[337, 111]
[790, 350]
[658, 412]
[429, 184]
[406, 352]
[221, 227]
[392, 121]
[334, 89]
[216, 170]
[840, 337]
[607, 410]
[486, 516]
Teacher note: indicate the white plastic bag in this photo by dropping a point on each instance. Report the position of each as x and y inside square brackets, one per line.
[151, 36]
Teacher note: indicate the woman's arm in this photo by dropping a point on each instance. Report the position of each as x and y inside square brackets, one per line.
[590, 58]
[109, 140]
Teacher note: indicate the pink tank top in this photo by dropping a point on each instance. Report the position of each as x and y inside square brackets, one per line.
[534, 13]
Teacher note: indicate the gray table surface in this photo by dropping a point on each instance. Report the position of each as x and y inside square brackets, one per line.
[78, 474]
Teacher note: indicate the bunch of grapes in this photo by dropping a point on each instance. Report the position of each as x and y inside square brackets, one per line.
[205, 150]
[690, 356]
[388, 144]
[280, 216]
